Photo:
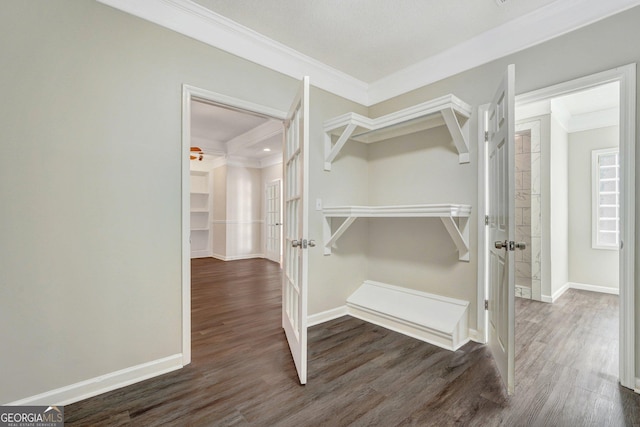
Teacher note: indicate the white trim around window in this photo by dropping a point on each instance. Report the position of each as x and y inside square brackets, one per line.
[605, 199]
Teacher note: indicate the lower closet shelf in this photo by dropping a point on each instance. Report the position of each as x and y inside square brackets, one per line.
[459, 232]
[432, 318]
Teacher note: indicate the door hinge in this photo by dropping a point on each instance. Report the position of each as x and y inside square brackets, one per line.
[486, 220]
[486, 304]
[486, 136]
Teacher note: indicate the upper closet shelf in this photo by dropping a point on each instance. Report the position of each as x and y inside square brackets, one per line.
[459, 232]
[447, 110]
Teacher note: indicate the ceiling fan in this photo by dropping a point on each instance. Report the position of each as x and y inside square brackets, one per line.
[196, 154]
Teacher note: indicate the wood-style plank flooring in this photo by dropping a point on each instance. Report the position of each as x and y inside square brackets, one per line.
[363, 375]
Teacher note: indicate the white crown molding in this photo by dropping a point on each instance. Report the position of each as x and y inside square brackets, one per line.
[275, 159]
[594, 120]
[246, 162]
[561, 114]
[548, 22]
[198, 22]
[533, 109]
[219, 162]
[254, 136]
[208, 146]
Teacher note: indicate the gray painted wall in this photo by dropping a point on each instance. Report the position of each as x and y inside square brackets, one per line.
[559, 206]
[90, 183]
[597, 267]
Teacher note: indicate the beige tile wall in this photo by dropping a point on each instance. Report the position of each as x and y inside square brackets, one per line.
[523, 208]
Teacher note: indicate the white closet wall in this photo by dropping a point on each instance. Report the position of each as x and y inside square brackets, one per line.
[237, 214]
[598, 267]
[559, 206]
[244, 219]
[219, 220]
[269, 174]
[418, 253]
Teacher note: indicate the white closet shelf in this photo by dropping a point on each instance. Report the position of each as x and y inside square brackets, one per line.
[447, 110]
[459, 232]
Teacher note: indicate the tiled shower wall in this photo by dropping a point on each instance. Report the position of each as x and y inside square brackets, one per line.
[527, 209]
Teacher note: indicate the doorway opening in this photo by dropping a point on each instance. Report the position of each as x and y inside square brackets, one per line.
[615, 90]
[625, 78]
[567, 209]
[239, 152]
[567, 203]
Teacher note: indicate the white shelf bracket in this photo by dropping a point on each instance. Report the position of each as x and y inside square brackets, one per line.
[330, 152]
[329, 239]
[460, 134]
[459, 234]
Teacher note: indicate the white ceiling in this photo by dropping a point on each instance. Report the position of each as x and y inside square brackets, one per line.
[587, 109]
[599, 98]
[370, 39]
[216, 124]
[223, 132]
[369, 51]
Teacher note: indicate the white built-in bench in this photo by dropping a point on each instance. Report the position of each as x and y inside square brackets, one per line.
[432, 318]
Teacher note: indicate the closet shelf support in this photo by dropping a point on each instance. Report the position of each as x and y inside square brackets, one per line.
[459, 232]
[446, 110]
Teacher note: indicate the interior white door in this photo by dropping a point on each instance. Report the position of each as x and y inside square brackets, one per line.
[500, 128]
[294, 282]
[273, 220]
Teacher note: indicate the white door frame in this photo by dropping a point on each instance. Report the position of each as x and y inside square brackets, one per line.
[266, 219]
[188, 94]
[626, 76]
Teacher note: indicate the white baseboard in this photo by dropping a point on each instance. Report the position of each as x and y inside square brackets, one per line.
[557, 294]
[236, 257]
[201, 254]
[581, 286]
[427, 335]
[594, 288]
[475, 336]
[637, 387]
[85, 389]
[335, 313]
[325, 316]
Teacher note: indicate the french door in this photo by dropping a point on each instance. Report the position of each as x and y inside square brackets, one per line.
[294, 281]
[273, 222]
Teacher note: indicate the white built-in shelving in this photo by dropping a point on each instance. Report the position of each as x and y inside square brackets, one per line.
[199, 212]
[433, 318]
[448, 213]
[446, 110]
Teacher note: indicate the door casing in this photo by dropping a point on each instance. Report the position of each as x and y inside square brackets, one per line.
[626, 76]
[276, 257]
[190, 93]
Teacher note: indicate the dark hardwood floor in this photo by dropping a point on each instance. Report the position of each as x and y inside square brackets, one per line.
[363, 375]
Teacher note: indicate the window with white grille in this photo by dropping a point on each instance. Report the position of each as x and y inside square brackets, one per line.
[605, 173]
